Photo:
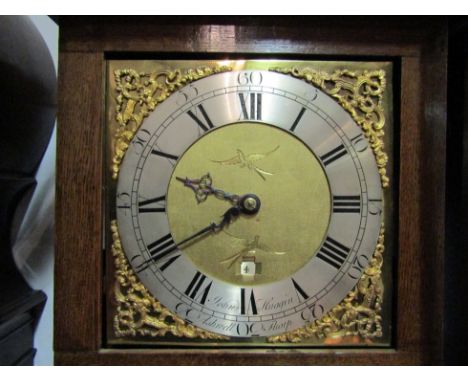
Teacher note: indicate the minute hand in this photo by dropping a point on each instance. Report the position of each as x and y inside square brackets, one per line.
[228, 217]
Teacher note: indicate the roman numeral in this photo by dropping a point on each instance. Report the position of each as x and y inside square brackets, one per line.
[251, 106]
[195, 285]
[333, 253]
[301, 113]
[159, 249]
[299, 290]
[164, 266]
[333, 155]
[251, 305]
[206, 124]
[165, 155]
[162, 247]
[347, 204]
[144, 206]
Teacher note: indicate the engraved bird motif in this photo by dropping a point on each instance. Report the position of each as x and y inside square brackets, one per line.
[248, 161]
[250, 248]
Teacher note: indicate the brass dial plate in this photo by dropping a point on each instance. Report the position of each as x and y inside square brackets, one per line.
[293, 189]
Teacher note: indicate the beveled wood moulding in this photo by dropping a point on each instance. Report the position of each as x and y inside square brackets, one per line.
[417, 46]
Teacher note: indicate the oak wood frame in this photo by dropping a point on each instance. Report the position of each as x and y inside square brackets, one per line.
[418, 45]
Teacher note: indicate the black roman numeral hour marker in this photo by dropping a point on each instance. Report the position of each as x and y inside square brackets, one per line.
[333, 155]
[251, 303]
[301, 113]
[144, 206]
[299, 290]
[165, 155]
[204, 125]
[164, 266]
[333, 253]
[195, 285]
[158, 249]
[347, 204]
[251, 110]
[162, 247]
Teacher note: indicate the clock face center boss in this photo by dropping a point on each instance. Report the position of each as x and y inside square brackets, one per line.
[279, 190]
[246, 203]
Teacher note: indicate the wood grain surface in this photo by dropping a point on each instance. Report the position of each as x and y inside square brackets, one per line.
[417, 46]
[78, 261]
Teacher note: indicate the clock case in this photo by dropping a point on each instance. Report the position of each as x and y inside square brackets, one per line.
[81, 276]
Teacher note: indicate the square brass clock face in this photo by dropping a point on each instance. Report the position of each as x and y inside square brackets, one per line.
[249, 203]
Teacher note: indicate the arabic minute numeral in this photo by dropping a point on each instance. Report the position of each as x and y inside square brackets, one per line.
[312, 312]
[137, 261]
[358, 265]
[375, 206]
[245, 329]
[123, 201]
[360, 143]
[141, 137]
[189, 92]
[249, 78]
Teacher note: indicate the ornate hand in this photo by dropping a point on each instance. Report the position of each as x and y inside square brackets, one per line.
[168, 248]
[248, 204]
[203, 187]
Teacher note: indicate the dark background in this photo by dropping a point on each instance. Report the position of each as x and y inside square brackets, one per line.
[456, 260]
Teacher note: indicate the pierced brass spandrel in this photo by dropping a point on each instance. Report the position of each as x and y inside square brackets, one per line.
[137, 94]
[357, 318]
[359, 93]
[140, 314]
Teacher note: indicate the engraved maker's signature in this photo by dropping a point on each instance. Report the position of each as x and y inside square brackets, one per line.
[248, 160]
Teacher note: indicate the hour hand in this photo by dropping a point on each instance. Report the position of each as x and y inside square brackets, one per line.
[203, 187]
[169, 246]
